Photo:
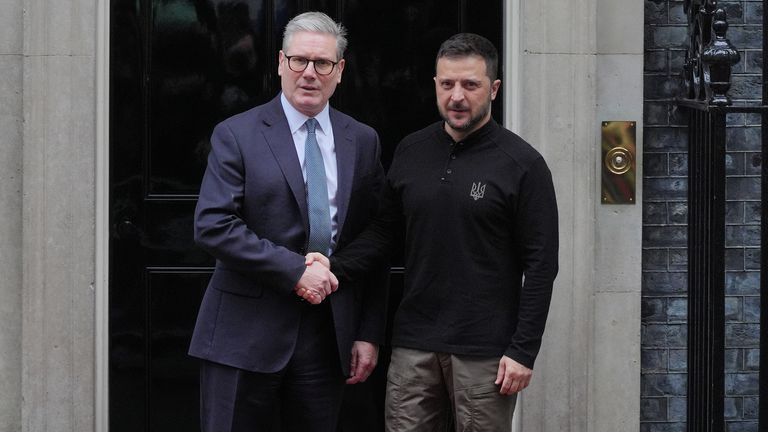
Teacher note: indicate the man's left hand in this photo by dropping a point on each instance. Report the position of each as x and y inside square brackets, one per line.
[364, 357]
[512, 376]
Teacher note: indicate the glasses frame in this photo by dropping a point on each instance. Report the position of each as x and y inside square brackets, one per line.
[333, 64]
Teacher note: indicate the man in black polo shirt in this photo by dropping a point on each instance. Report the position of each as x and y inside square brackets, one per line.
[478, 209]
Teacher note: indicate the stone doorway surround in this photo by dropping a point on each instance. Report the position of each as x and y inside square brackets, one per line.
[570, 65]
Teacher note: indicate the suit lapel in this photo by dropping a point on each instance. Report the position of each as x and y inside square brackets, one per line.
[278, 137]
[346, 155]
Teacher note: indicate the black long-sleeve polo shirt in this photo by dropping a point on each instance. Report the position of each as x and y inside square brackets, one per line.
[479, 217]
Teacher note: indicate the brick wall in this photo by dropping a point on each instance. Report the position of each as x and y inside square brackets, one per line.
[664, 308]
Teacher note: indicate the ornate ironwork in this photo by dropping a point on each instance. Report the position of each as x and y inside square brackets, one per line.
[707, 79]
[710, 55]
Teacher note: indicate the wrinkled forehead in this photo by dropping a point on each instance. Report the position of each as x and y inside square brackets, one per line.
[461, 67]
[311, 44]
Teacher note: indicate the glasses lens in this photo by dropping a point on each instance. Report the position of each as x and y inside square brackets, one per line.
[323, 67]
[298, 64]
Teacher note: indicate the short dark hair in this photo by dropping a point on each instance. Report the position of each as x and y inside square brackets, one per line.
[468, 44]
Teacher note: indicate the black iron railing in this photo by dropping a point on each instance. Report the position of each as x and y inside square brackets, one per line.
[707, 79]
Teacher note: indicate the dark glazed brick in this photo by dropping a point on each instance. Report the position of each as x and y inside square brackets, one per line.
[743, 384]
[752, 309]
[669, 236]
[678, 360]
[655, 12]
[677, 309]
[676, 61]
[734, 212]
[734, 359]
[678, 164]
[734, 259]
[678, 116]
[732, 408]
[654, 212]
[663, 385]
[742, 283]
[741, 426]
[656, 114]
[678, 259]
[662, 427]
[745, 87]
[678, 212]
[735, 119]
[656, 61]
[664, 289]
[666, 139]
[674, 188]
[733, 309]
[751, 408]
[745, 37]
[742, 188]
[734, 13]
[677, 409]
[753, 13]
[668, 37]
[653, 409]
[677, 14]
[742, 335]
[653, 310]
[661, 87]
[753, 162]
[654, 259]
[752, 212]
[751, 259]
[754, 62]
[664, 283]
[653, 360]
[748, 235]
[665, 335]
[742, 138]
[734, 164]
[752, 361]
[655, 164]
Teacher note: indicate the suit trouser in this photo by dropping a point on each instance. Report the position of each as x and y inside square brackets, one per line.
[426, 391]
[307, 392]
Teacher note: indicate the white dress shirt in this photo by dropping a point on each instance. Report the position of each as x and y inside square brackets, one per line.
[324, 135]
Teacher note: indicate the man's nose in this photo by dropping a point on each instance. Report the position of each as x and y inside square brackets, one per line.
[309, 71]
[457, 95]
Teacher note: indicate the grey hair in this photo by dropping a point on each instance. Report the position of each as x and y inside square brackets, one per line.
[316, 22]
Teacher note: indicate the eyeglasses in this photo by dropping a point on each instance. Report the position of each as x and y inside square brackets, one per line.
[299, 64]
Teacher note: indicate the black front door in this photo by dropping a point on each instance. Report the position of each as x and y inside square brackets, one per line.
[177, 68]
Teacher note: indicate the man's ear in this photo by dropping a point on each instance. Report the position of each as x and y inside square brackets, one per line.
[340, 65]
[495, 88]
[280, 58]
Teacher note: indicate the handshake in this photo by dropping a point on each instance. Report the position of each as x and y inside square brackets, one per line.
[317, 282]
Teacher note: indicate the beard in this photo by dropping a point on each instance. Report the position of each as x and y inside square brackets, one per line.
[470, 124]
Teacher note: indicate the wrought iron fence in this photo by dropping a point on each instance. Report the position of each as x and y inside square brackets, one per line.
[707, 79]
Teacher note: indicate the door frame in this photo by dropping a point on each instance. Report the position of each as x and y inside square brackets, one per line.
[101, 283]
[512, 101]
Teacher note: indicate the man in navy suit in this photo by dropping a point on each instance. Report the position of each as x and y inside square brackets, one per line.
[275, 334]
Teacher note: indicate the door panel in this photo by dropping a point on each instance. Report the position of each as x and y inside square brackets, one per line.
[177, 68]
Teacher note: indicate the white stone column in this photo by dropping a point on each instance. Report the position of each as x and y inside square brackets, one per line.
[614, 383]
[58, 215]
[575, 72]
[10, 214]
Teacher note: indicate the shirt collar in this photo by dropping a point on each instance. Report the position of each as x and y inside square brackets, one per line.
[475, 136]
[296, 119]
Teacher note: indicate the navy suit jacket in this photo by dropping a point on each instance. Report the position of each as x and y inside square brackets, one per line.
[252, 217]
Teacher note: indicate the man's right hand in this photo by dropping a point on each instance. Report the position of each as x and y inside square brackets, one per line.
[316, 283]
[313, 257]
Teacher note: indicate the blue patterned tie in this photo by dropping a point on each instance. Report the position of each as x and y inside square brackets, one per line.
[317, 194]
